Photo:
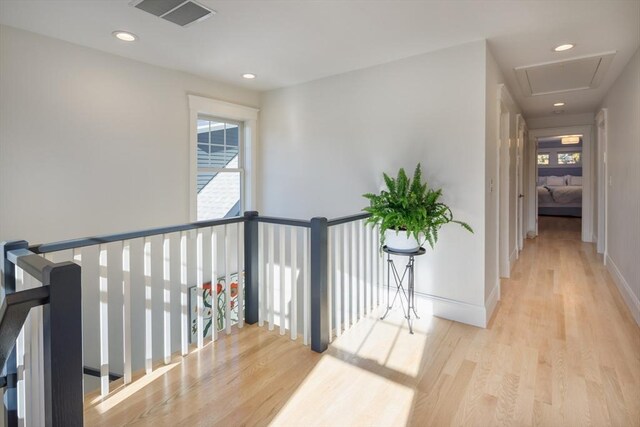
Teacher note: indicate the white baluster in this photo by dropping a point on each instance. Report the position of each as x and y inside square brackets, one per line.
[240, 274]
[354, 273]
[270, 276]
[346, 265]
[361, 271]
[215, 272]
[166, 273]
[306, 287]
[262, 262]
[199, 283]
[148, 307]
[369, 268]
[126, 309]
[227, 282]
[294, 284]
[281, 277]
[330, 264]
[339, 276]
[21, 360]
[104, 322]
[184, 304]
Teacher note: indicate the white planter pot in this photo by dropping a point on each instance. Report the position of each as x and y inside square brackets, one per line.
[400, 242]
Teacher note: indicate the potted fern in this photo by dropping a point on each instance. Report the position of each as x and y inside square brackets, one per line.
[408, 212]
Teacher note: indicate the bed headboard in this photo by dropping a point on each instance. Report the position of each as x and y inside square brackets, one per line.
[560, 171]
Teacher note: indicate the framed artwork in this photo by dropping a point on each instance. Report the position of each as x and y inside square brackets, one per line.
[217, 305]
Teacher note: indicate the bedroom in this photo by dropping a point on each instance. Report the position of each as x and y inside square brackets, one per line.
[559, 177]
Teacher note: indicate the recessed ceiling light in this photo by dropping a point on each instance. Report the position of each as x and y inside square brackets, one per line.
[249, 76]
[559, 104]
[125, 36]
[563, 47]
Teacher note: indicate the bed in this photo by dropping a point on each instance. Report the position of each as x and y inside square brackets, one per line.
[560, 195]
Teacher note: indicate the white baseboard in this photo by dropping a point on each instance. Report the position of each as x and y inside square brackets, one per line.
[625, 290]
[491, 302]
[471, 314]
[512, 259]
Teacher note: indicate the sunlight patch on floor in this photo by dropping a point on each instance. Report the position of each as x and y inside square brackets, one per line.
[314, 402]
[388, 342]
[123, 392]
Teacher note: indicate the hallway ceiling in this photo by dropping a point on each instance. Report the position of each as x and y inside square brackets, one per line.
[290, 42]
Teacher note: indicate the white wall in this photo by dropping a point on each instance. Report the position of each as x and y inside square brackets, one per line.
[560, 120]
[493, 79]
[623, 142]
[326, 142]
[91, 142]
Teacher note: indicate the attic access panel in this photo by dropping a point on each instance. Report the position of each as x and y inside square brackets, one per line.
[180, 12]
[564, 76]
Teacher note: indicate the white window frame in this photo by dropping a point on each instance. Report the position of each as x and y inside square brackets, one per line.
[247, 145]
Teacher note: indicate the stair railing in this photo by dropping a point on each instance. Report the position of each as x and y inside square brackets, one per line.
[313, 278]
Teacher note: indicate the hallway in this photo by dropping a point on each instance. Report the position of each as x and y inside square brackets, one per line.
[562, 350]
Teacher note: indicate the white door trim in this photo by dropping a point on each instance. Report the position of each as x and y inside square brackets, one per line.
[587, 170]
[224, 110]
[506, 107]
[520, 192]
[602, 172]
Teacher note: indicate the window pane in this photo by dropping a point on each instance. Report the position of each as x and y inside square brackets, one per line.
[543, 159]
[203, 131]
[218, 195]
[218, 144]
[568, 158]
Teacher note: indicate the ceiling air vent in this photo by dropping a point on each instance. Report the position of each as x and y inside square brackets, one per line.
[564, 76]
[179, 12]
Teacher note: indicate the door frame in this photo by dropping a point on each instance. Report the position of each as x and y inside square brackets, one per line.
[602, 174]
[520, 190]
[587, 172]
[505, 108]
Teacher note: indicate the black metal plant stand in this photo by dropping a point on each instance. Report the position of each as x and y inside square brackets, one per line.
[408, 293]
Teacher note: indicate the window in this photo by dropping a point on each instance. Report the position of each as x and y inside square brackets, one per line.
[220, 168]
[222, 155]
[569, 158]
[543, 158]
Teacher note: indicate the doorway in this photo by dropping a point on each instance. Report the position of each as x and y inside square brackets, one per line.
[563, 181]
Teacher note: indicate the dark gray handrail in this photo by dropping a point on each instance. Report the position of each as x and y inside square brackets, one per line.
[94, 372]
[13, 312]
[349, 218]
[91, 241]
[61, 298]
[109, 238]
[284, 221]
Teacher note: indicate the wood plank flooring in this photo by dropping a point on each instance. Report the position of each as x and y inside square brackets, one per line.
[561, 350]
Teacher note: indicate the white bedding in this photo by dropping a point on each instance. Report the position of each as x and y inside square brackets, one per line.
[544, 195]
[566, 194]
[559, 196]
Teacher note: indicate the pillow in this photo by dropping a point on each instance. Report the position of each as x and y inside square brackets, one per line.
[542, 180]
[575, 180]
[556, 180]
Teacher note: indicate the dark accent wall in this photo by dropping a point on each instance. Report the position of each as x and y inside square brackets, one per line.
[559, 171]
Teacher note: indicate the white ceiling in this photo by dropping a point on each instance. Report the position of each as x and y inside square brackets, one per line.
[290, 42]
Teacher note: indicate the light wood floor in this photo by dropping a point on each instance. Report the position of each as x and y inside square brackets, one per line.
[561, 350]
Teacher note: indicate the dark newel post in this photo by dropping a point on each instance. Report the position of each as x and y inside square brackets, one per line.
[251, 245]
[319, 290]
[62, 322]
[11, 370]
